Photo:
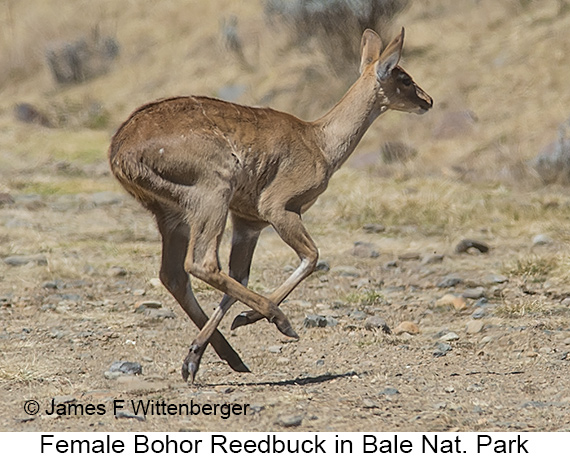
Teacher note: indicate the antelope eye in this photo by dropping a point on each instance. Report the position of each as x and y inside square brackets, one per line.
[406, 80]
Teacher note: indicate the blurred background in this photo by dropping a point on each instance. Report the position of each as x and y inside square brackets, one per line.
[71, 72]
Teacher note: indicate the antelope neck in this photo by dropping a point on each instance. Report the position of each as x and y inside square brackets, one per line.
[345, 124]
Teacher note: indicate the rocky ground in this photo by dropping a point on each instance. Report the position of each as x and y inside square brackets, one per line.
[398, 331]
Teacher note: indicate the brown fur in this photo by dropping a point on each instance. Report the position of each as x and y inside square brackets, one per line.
[194, 160]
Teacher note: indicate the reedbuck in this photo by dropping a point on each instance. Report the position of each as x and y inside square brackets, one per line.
[193, 160]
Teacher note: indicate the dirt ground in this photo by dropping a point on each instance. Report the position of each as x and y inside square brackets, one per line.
[68, 314]
[479, 340]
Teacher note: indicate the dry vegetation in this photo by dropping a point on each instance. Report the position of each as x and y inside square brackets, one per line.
[498, 74]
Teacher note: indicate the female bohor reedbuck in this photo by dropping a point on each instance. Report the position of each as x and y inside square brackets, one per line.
[193, 160]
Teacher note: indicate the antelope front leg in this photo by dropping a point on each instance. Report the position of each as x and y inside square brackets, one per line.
[291, 230]
[244, 240]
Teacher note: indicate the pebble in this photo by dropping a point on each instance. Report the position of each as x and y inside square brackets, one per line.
[126, 367]
[315, 320]
[375, 323]
[60, 399]
[468, 245]
[116, 271]
[389, 391]
[442, 349]
[478, 313]
[432, 258]
[496, 279]
[474, 293]
[474, 327]
[364, 249]
[409, 256]
[346, 270]
[20, 260]
[450, 336]
[358, 315]
[407, 327]
[452, 301]
[158, 314]
[373, 228]
[567, 341]
[449, 281]
[566, 302]
[142, 306]
[128, 415]
[323, 265]
[290, 421]
[369, 404]
[541, 240]
[275, 349]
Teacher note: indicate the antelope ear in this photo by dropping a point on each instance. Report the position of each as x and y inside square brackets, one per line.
[370, 47]
[390, 56]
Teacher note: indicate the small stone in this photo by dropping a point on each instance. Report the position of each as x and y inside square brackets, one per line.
[126, 367]
[442, 349]
[449, 281]
[364, 249]
[407, 327]
[496, 279]
[449, 389]
[432, 258]
[112, 374]
[482, 302]
[369, 404]
[389, 391]
[474, 327]
[409, 256]
[373, 228]
[20, 260]
[567, 341]
[358, 315]
[331, 321]
[541, 240]
[53, 285]
[474, 293]
[61, 399]
[566, 302]
[450, 336]
[375, 323]
[142, 306]
[314, 320]
[116, 271]
[323, 265]
[467, 245]
[128, 415]
[275, 349]
[290, 421]
[159, 314]
[155, 282]
[391, 264]
[346, 270]
[139, 292]
[450, 300]
[478, 313]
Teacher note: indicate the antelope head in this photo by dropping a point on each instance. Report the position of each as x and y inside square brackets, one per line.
[396, 88]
